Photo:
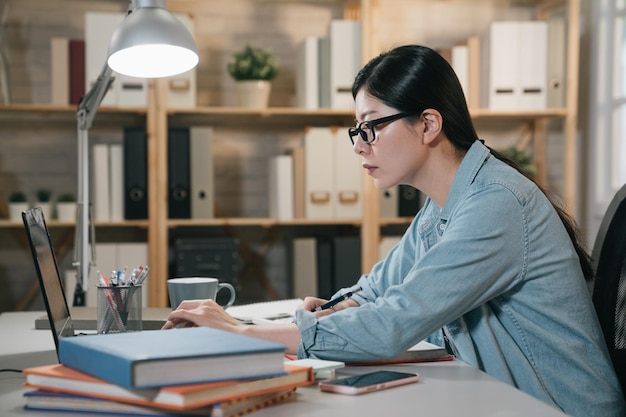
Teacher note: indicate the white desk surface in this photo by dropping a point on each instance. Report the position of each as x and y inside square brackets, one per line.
[446, 388]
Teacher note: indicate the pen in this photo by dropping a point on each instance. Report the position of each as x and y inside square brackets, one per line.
[337, 300]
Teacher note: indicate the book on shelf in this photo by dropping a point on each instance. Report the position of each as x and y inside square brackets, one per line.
[177, 356]
[61, 379]
[40, 400]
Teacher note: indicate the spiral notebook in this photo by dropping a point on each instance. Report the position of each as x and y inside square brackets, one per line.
[279, 311]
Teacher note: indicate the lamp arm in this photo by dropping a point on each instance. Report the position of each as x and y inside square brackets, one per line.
[85, 228]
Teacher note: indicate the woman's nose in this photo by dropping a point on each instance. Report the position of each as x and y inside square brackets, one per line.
[360, 147]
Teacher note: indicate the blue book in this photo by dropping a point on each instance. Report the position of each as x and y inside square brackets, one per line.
[172, 357]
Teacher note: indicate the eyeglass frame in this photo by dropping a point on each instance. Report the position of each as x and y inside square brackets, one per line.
[371, 124]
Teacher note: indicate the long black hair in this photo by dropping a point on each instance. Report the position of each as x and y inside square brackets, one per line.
[413, 78]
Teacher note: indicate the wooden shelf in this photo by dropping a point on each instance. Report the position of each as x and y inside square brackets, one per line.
[260, 221]
[7, 224]
[43, 113]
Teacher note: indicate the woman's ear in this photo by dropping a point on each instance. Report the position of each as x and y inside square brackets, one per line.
[433, 124]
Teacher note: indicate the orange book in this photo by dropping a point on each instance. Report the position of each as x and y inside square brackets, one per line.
[59, 378]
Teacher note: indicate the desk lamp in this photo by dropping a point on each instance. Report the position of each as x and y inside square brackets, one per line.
[149, 43]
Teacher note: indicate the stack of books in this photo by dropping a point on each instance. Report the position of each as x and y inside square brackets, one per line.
[194, 371]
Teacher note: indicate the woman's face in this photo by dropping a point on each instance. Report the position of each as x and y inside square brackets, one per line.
[397, 153]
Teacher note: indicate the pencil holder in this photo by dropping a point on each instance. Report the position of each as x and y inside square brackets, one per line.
[119, 309]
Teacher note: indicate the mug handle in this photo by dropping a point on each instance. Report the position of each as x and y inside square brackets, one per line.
[232, 293]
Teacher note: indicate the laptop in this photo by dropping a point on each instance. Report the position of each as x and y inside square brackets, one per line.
[48, 274]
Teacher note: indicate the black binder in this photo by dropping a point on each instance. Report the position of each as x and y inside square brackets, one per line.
[178, 174]
[135, 173]
[409, 201]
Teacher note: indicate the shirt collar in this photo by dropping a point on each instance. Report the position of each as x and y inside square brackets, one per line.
[472, 162]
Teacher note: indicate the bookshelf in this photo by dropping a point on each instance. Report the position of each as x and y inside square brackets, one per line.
[383, 25]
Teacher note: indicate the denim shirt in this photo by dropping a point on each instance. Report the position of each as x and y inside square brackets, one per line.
[494, 271]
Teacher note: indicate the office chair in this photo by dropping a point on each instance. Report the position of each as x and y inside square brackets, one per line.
[609, 292]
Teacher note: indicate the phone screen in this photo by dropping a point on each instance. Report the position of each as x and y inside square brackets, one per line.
[372, 381]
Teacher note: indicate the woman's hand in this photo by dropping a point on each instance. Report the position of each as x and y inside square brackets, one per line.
[208, 313]
[310, 303]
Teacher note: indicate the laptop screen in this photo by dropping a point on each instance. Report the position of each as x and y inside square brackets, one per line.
[48, 274]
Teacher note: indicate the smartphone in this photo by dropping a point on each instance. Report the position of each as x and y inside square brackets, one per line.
[372, 381]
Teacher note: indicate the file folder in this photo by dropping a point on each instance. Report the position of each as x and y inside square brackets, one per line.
[319, 167]
[202, 175]
[178, 176]
[135, 173]
[345, 61]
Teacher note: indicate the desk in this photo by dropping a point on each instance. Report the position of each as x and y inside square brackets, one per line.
[446, 388]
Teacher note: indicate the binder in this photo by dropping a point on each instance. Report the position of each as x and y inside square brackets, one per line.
[280, 184]
[324, 76]
[297, 155]
[389, 202]
[533, 65]
[459, 60]
[116, 184]
[77, 70]
[319, 168]
[178, 176]
[409, 201]
[501, 56]
[307, 74]
[348, 181]
[325, 284]
[557, 58]
[345, 61]
[515, 57]
[474, 85]
[304, 267]
[202, 176]
[346, 261]
[100, 193]
[59, 71]
[130, 91]
[135, 173]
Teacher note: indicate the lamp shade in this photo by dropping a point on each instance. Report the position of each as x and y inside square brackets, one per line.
[149, 43]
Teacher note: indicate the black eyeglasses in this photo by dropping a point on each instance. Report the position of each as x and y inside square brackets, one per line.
[366, 129]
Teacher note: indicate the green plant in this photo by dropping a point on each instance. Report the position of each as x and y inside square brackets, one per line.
[17, 197]
[66, 198]
[252, 63]
[522, 158]
[43, 195]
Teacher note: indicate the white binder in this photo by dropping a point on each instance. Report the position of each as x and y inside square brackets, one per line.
[59, 71]
[116, 178]
[100, 192]
[515, 58]
[201, 170]
[348, 182]
[502, 56]
[319, 173]
[345, 61]
[460, 63]
[557, 59]
[533, 66]
[308, 73]
[280, 187]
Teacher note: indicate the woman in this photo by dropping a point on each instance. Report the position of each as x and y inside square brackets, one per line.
[489, 267]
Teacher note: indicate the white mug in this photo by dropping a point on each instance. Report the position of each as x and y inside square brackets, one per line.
[194, 288]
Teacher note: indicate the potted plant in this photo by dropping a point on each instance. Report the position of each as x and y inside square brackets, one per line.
[43, 200]
[17, 204]
[66, 207]
[253, 69]
[522, 158]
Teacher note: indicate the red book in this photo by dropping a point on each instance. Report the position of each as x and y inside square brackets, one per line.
[77, 70]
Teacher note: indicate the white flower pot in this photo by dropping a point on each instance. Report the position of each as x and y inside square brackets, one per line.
[66, 211]
[15, 211]
[46, 209]
[253, 93]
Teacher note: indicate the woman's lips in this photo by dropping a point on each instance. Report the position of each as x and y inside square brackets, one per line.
[370, 168]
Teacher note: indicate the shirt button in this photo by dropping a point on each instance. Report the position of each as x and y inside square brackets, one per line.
[442, 227]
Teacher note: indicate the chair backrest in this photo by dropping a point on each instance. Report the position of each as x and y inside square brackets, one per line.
[609, 291]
